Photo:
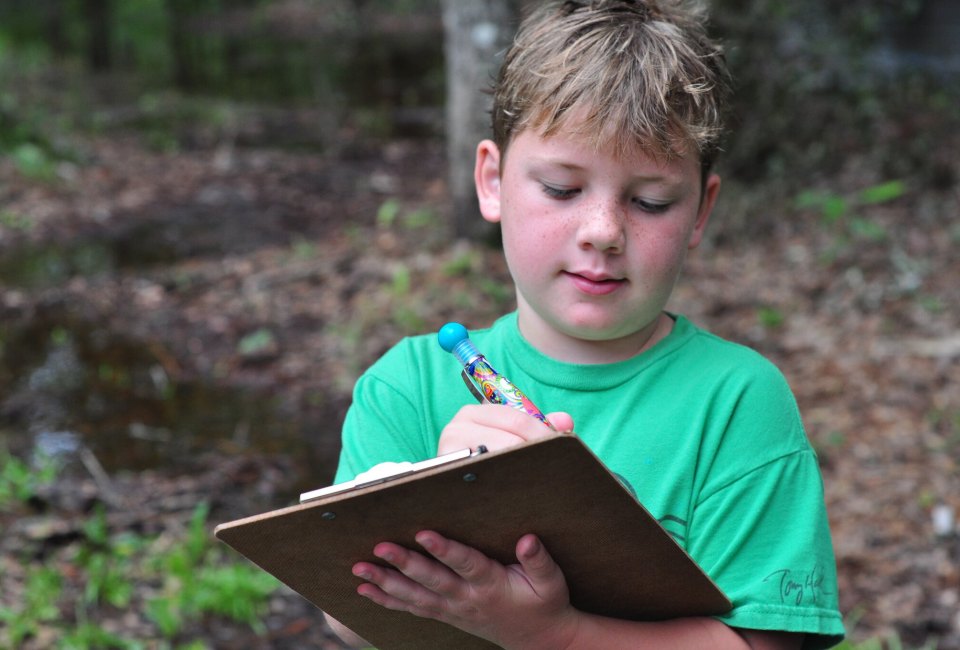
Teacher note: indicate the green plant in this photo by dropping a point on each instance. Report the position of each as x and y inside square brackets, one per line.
[262, 341]
[303, 248]
[401, 281]
[38, 605]
[408, 319]
[838, 210]
[107, 562]
[770, 317]
[420, 218]
[34, 162]
[197, 580]
[19, 482]
[388, 212]
[844, 215]
[15, 221]
[391, 213]
[462, 265]
[88, 636]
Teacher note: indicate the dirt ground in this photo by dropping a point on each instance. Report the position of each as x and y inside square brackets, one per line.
[222, 239]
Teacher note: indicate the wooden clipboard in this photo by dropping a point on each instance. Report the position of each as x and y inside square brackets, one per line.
[617, 559]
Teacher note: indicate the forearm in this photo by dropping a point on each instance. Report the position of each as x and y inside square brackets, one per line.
[598, 632]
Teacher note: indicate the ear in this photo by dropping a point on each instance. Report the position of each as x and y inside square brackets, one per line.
[711, 190]
[486, 176]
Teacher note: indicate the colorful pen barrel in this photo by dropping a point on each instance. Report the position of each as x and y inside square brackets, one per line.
[495, 387]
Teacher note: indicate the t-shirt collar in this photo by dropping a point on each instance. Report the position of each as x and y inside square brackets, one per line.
[573, 376]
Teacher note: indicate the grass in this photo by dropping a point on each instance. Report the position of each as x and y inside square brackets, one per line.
[173, 580]
[20, 482]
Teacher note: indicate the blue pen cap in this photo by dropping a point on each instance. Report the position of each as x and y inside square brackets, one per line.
[453, 338]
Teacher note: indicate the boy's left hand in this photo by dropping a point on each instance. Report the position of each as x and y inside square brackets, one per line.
[522, 605]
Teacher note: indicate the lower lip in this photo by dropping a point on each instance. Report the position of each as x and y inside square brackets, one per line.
[593, 287]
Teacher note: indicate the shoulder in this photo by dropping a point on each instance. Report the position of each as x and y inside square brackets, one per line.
[716, 352]
[753, 414]
[401, 372]
[732, 366]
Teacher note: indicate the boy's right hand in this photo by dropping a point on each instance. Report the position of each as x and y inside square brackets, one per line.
[497, 426]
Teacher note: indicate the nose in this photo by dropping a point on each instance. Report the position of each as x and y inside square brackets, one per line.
[602, 227]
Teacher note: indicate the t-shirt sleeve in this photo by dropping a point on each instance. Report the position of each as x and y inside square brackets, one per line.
[759, 527]
[381, 422]
[769, 549]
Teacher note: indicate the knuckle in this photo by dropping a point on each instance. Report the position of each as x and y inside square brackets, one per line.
[424, 609]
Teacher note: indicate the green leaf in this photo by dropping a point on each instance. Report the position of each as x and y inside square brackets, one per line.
[883, 193]
[809, 199]
[867, 229]
[401, 281]
[388, 212]
[770, 317]
[834, 208]
[257, 342]
[33, 162]
[420, 218]
[166, 615]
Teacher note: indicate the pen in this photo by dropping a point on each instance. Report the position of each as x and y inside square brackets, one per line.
[493, 386]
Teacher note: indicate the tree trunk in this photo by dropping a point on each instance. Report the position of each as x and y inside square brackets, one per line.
[99, 19]
[476, 33]
[54, 27]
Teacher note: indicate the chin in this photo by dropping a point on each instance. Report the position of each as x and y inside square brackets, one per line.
[593, 333]
[608, 329]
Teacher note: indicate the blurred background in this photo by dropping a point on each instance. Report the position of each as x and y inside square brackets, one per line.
[214, 215]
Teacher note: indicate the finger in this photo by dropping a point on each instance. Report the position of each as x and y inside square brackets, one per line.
[519, 423]
[544, 575]
[475, 425]
[417, 607]
[394, 590]
[419, 569]
[561, 421]
[467, 562]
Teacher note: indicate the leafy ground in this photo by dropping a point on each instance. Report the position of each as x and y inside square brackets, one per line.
[236, 263]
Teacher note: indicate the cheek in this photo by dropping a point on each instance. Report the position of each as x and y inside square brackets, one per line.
[661, 248]
[529, 232]
[525, 248]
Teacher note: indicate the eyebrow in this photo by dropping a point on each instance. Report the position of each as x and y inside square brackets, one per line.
[574, 167]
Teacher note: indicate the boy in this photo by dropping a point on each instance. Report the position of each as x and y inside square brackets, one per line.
[606, 123]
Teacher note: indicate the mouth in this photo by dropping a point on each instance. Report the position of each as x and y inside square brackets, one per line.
[595, 284]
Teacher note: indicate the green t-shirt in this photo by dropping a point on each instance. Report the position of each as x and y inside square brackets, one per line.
[705, 432]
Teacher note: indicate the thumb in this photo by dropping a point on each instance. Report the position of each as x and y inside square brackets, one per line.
[541, 570]
[561, 421]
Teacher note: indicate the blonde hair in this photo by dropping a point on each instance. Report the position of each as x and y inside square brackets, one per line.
[621, 72]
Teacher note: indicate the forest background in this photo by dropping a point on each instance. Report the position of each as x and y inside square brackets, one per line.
[214, 215]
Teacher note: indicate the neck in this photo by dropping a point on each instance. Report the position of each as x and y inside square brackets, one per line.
[571, 349]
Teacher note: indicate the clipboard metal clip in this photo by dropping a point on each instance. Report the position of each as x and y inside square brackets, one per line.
[385, 472]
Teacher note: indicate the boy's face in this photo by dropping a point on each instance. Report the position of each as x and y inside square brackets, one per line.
[594, 242]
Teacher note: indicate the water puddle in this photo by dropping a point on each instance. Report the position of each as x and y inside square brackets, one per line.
[173, 233]
[48, 265]
[69, 386]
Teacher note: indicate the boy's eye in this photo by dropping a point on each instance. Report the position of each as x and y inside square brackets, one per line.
[559, 192]
[653, 207]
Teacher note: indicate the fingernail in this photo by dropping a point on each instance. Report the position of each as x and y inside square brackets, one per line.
[534, 547]
[361, 573]
[427, 542]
